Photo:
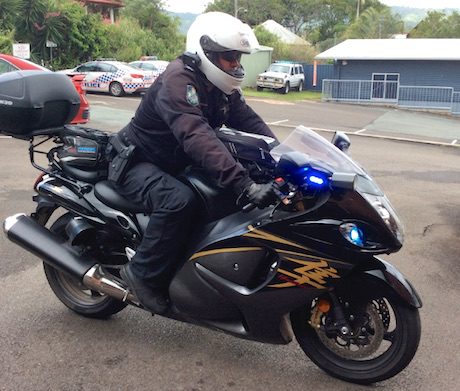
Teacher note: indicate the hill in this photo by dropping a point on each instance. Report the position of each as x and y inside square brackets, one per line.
[186, 19]
[412, 16]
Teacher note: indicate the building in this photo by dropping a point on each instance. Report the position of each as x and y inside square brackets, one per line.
[410, 72]
[283, 34]
[109, 9]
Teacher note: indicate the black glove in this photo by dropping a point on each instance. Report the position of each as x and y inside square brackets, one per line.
[261, 195]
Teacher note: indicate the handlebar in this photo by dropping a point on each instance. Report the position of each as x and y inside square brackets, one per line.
[280, 186]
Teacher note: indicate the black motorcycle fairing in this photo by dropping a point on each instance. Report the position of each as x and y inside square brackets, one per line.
[67, 195]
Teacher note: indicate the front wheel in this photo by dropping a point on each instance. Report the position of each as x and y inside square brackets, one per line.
[383, 337]
[286, 88]
[72, 292]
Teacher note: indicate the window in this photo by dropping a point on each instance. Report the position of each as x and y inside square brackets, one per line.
[102, 67]
[88, 67]
[6, 67]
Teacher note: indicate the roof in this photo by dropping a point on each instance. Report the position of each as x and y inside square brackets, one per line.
[283, 33]
[394, 49]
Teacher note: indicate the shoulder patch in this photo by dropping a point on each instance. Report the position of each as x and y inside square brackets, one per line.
[192, 96]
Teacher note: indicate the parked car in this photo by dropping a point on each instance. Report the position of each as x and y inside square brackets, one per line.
[115, 77]
[282, 76]
[150, 65]
[143, 58]
[10, 63]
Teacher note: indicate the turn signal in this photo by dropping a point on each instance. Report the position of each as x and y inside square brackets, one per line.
[324, 306]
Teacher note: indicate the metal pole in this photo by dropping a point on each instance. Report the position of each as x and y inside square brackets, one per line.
[235, 3]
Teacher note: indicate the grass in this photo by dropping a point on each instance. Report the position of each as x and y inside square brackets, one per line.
[291, 96]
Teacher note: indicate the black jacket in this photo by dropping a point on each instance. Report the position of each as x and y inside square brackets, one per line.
[174, 124]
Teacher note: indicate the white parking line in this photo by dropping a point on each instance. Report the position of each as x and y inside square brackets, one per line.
[361, 131]
[98, 102]
[5, 137]
[278, 122]
[383, 137]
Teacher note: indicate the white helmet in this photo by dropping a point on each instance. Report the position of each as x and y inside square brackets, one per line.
[217, 32]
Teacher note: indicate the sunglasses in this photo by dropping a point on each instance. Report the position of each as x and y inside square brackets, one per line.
[231, 56]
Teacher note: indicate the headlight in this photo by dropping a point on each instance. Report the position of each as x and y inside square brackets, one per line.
[353, 234]
[383, 207]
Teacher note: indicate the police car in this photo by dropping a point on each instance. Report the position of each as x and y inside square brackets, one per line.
[154, 66]
[115, 77]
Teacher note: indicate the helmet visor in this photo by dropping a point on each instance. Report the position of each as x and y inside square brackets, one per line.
[231, 56]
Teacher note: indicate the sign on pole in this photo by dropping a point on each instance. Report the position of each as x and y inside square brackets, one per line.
[51, 44]
[21, 50]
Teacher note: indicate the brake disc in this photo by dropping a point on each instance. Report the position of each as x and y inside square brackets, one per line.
[363, 341]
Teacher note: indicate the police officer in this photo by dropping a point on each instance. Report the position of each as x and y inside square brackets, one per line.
[173, 128]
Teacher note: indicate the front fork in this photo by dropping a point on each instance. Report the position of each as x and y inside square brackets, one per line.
[330, 303]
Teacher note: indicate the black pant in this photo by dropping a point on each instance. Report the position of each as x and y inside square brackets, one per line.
[171, 204]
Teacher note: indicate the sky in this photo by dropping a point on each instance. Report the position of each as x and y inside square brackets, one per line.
[198, 6]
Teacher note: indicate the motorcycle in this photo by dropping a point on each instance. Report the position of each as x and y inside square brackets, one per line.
[305, 268]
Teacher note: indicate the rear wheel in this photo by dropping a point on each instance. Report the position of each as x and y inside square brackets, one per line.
[116, 89]
[72, 292]
[383, 339]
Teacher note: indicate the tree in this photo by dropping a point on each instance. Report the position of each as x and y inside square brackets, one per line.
[8, 14]
[165, 40]
[252, 12]
[374, 23]
[438, 25]
[85, 37]
[37, 22]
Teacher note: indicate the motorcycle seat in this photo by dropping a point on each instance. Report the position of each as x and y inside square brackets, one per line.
[106, 193]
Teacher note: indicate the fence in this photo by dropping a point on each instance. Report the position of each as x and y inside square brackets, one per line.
[391, 92]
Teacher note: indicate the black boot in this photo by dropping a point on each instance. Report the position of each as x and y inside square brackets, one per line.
[153, 300]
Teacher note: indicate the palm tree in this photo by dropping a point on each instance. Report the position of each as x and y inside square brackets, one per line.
[38, 23]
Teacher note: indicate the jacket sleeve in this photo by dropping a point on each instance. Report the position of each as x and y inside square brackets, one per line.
[178, 106]
[243, 117]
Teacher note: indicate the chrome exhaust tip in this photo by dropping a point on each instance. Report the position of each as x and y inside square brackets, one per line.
[103, 282]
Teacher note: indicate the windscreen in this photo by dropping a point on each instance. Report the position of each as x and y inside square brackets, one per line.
[317, 148]
[279, 68]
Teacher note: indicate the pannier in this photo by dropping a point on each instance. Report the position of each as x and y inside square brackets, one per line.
[83, 147]
[84, 153]
[34, 100]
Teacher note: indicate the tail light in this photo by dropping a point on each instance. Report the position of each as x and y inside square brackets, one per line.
[38, 180]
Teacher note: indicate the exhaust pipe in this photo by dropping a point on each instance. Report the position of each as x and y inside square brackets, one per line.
[33, 237]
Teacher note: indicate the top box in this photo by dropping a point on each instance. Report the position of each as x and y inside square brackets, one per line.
[35, 100]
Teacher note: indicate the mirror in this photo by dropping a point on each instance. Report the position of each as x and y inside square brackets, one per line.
[343, 180]
[341, 141]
